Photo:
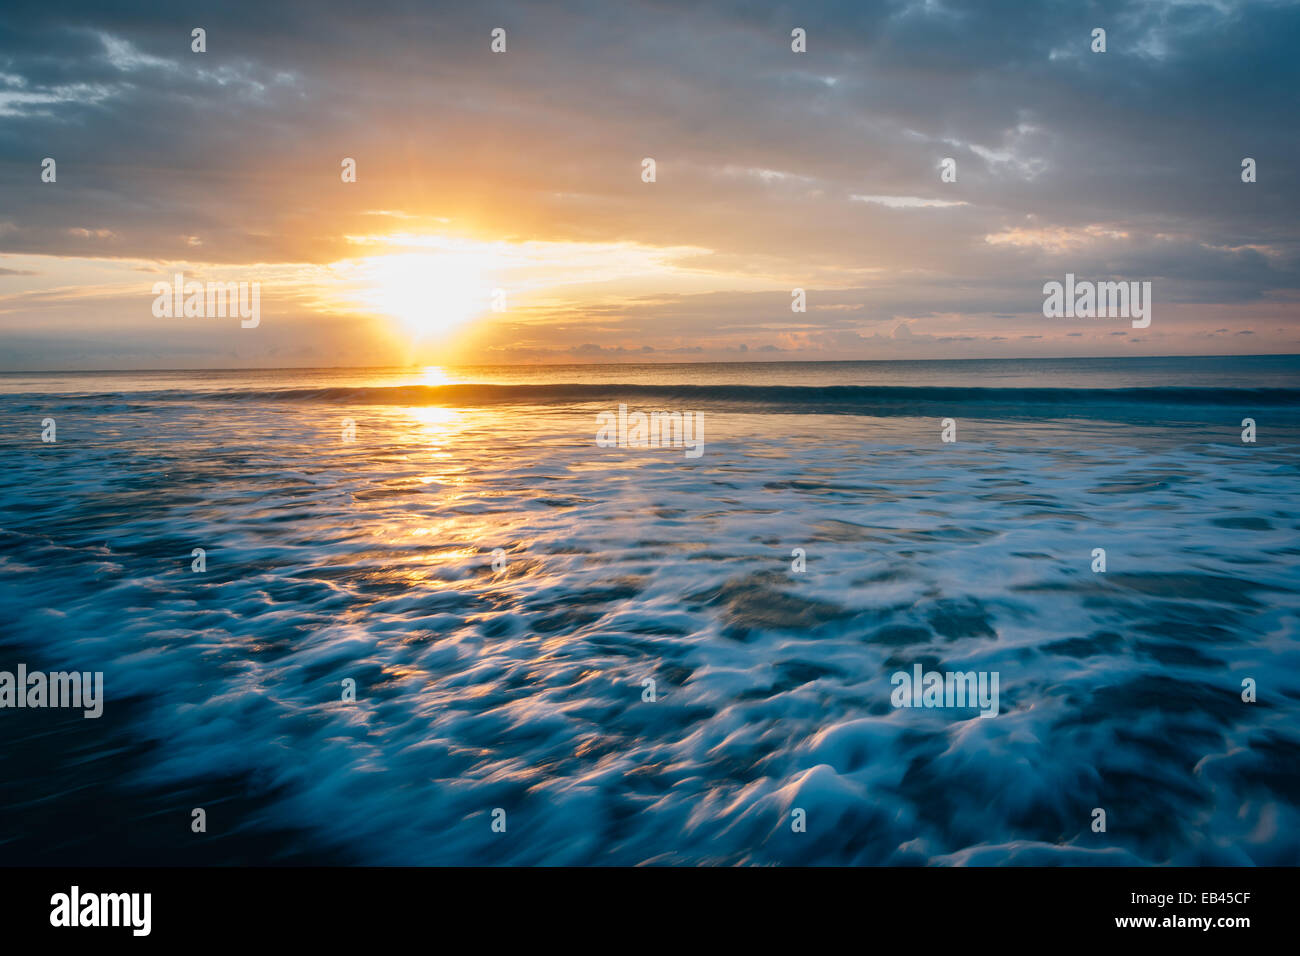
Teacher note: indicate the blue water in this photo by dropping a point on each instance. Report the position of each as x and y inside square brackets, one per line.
[522, 688]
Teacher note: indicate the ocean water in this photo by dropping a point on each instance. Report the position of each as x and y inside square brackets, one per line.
[522, 687]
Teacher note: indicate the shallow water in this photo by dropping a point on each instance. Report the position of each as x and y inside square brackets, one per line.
[522, 688]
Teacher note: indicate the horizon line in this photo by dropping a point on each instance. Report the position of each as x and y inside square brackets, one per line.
[428, 365]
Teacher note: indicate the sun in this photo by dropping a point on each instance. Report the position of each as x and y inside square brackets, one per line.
[429, 293]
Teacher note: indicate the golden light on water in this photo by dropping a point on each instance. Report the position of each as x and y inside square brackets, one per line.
[434, 418]
[437, 428]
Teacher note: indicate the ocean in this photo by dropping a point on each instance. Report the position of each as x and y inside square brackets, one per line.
[564, 652]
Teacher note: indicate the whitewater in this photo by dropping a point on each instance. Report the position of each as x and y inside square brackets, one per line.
[520, 684]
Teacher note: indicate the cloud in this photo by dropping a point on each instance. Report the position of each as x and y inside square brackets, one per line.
[775, 169]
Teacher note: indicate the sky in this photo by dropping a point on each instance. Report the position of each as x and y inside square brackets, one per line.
[500, 211]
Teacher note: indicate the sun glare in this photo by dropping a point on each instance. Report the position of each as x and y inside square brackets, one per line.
[428, 293]
[433, 375]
